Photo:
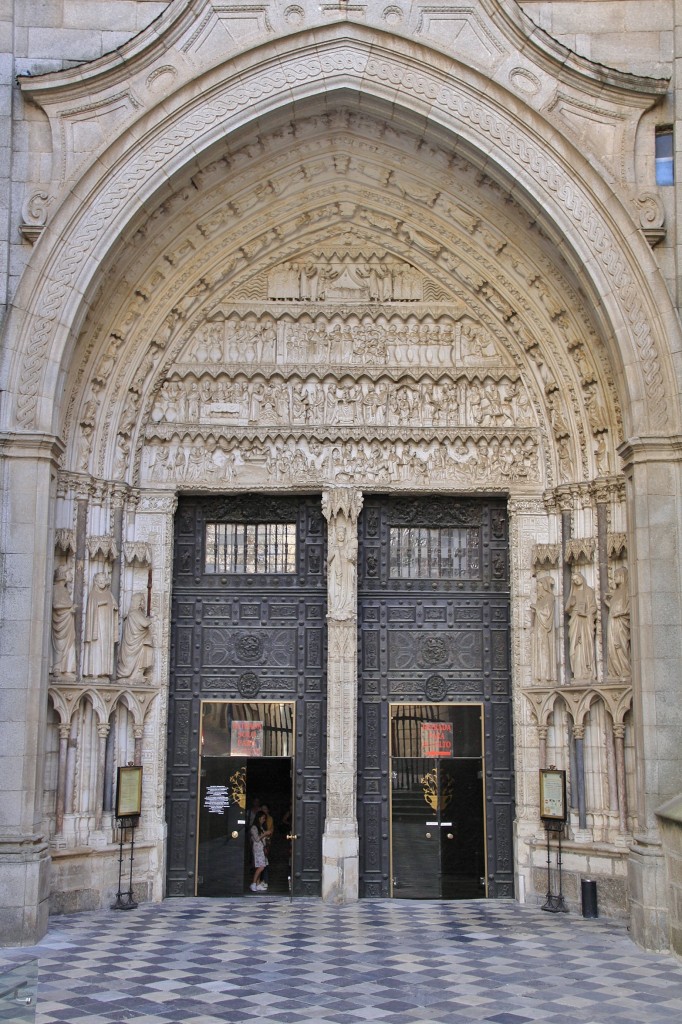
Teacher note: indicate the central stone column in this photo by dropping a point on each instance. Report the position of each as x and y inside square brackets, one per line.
[341, 508]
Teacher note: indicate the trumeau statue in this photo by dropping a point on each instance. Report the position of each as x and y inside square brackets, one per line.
[618, 636]
[342, 567]
[136, 651]
[101, 627]
[63, 626]
[544, 632]
[581, 608]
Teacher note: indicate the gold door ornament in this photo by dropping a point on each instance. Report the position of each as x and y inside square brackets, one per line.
[238, 787]
[430, 788]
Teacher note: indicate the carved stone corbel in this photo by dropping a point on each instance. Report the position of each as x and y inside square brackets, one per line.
[103, 545]
[579, 549]
[65, 541]
[545, 556]
[617, 545]
[137, 551]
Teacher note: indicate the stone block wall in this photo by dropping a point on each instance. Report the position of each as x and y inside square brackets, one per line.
[632, 36]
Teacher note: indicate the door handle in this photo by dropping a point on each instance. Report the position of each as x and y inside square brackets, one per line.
[450, 835]
[292, 837]
[235, 834]
[428, 835]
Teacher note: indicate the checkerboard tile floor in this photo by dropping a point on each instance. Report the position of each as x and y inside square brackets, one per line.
[265, 960]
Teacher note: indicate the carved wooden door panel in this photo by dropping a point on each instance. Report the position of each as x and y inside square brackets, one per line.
[433, 617]
[248, 624]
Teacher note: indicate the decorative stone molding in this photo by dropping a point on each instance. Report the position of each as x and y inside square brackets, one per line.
[34, 215]
[617, 698]
[342, 501]
[651, 217]
[104, 696]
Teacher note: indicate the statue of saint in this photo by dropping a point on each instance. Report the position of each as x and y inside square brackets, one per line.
[581, 608]
[63, 626]
[618, 636]
[341, 574]
[136, 651]
[101, 627]
[544, 633]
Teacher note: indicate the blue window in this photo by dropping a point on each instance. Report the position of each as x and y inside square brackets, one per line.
[665, 164]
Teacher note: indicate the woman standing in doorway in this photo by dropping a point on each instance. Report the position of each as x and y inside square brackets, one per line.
[259, 837]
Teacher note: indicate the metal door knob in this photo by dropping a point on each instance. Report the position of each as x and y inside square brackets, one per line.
[450, 835]
[428, 835]
[292, 837]
[235, 834]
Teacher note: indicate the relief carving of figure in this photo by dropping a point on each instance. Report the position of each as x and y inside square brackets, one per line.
[581, 608]
[63, 626]
[544, 632]
[618, 636]
[136, 653]
[101, 627]
[342, 572]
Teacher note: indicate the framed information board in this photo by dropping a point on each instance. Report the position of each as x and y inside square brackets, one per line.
[553, 794]
[129, 792]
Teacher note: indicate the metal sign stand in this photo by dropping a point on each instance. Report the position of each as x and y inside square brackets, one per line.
[554, 902]
[124, 900]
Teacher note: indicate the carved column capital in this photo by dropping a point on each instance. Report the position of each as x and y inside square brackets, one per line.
[345, 501]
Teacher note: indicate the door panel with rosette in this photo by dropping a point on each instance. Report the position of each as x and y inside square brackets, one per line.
[433, 619]
[248, 624]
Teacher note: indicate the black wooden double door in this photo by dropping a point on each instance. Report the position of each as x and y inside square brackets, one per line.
[435, 785]
[248, 649]
[435, 758]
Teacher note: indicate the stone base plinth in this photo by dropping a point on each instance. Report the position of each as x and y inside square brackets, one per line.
[606, 863]
[87, 878]
[340, 867]
[648, 893]
[24, 892]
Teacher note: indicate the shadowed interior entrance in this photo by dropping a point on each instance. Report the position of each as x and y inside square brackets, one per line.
[233, 787]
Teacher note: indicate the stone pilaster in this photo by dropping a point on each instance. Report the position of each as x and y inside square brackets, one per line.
[27, 467]
[653, 469]
[340, 863]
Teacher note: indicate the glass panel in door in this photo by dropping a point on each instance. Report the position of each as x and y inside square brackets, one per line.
[437, 817]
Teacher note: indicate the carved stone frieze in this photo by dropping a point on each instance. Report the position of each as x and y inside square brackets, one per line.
[377, 280]
[342, 335]
[214, 459]
[486, 400]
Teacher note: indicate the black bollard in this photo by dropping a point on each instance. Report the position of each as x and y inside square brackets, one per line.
[588, 892]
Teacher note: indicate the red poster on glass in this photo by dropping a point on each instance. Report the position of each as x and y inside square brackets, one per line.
[436, 739]
[247, 739]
